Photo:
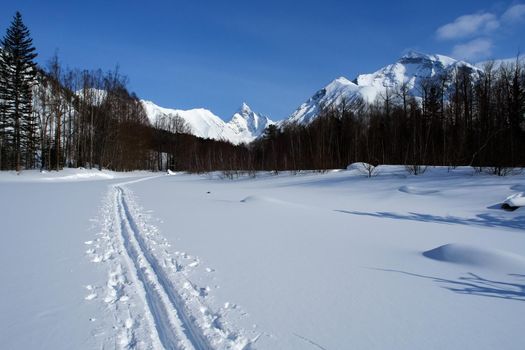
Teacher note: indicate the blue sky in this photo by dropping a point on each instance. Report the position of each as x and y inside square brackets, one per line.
[271, 54]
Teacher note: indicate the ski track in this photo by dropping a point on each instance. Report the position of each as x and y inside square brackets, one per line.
[165, 326]
[173, 316]
[162, 299]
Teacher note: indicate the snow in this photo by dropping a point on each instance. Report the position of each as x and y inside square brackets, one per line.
[516, 200]
[247, 124]
[510, 62]
[244, 126]
[332, 261]
[339, 89]
[94, 96]
[477, 257]
[46, 278]
[66, 174]
[362, 168]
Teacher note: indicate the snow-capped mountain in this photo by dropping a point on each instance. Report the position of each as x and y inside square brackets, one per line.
[244, 126]
[247, 124]
[411, 69]
[502, 61]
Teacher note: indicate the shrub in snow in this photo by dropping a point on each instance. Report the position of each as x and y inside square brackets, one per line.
[499, 170]
[363, 168]
[416, 169]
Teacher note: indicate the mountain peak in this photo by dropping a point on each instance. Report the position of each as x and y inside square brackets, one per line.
[245, 109]
[248, 123]
[410, 70]
[244, 127]
[416, 57]
[413, 54]
[342, 80]
[339, 82]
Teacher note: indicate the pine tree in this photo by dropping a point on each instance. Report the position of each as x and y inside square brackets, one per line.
[4, 130]
[17, 76]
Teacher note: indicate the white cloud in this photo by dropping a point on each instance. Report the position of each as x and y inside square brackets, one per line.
[514, 13]
[473, 50]
[468, 25]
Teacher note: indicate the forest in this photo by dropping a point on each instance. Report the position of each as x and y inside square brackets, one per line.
[459, 120]
[54, 117]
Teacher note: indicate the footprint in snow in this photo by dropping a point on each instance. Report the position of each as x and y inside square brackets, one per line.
[97, 259]
[91, 296]
[194, 264]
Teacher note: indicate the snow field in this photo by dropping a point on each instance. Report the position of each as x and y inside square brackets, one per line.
[310, 261]
[175, 309]
[338, 260]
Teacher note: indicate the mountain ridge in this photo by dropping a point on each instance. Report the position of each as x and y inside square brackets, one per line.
[244, 126]
[410, 70]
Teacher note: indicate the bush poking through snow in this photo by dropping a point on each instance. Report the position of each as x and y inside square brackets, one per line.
[235, 174]
[416, 169]
[364, 168]
[499, 170]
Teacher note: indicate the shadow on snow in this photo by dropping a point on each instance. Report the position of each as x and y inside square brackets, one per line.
[484, 220]
[474, 284]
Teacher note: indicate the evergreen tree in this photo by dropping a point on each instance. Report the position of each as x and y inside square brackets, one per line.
[17, 76]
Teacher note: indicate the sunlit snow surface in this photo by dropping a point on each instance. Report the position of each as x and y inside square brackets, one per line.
[305, 261]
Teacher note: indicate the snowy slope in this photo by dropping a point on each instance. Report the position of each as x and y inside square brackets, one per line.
[511, 61]
[411, 69]
[244, 127]
[202, 122]
[92, 95]
[339, 89]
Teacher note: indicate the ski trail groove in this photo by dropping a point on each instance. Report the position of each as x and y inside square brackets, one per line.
[176, 328]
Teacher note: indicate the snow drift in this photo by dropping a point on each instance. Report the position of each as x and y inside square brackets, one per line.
[469, 255]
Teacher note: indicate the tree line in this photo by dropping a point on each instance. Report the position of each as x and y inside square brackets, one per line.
[463, 118]
[53, 117]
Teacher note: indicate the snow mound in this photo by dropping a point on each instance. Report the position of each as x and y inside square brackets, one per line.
[361, 168]
[469, 255]
[416, 191]
[80, 176]
[516, 200]
[67, 175]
